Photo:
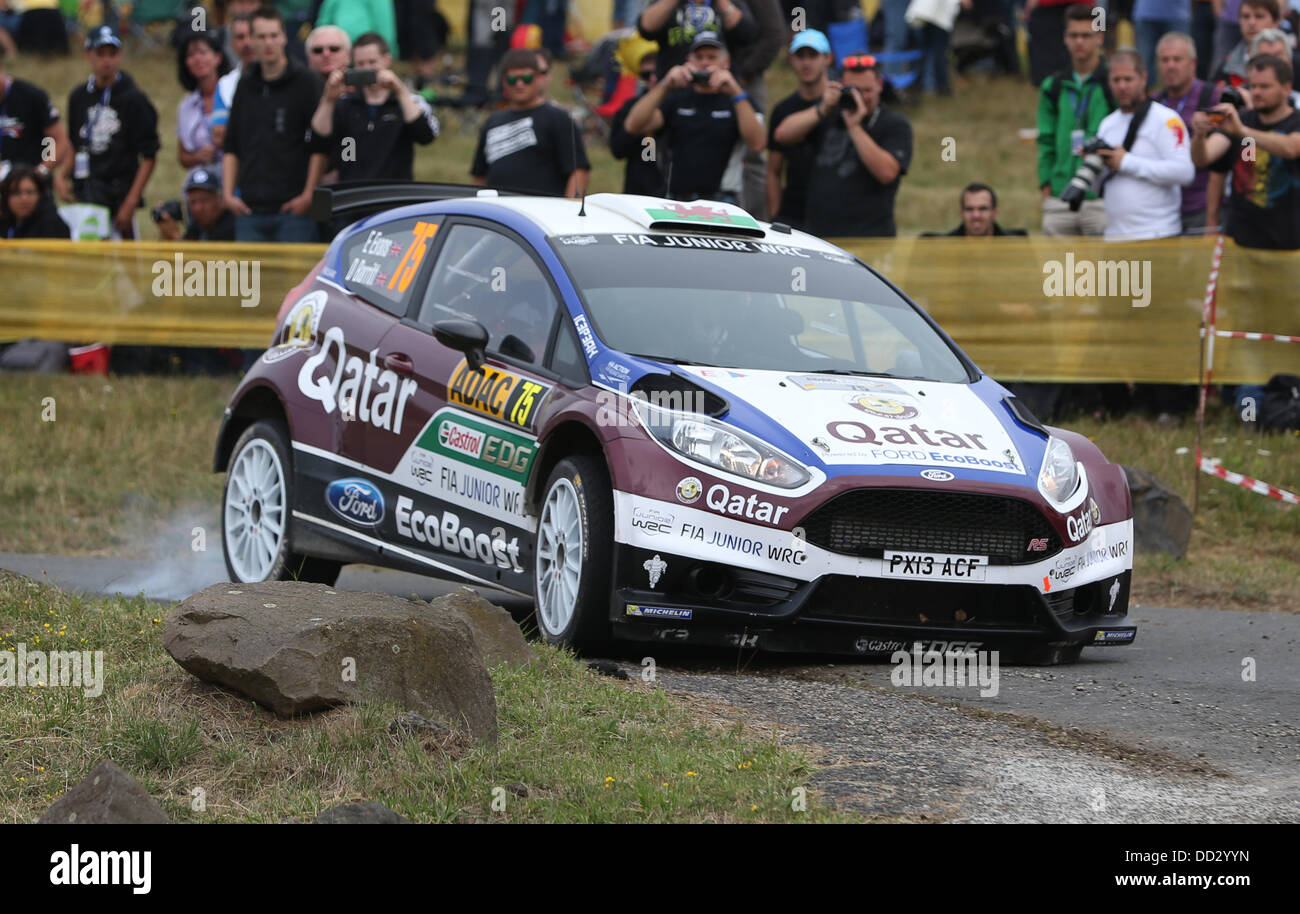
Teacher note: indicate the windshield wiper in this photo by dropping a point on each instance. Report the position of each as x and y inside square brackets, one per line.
[655, 358]
[852, 372]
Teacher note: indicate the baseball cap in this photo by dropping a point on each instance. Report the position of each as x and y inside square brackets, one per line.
[101, 36]
[810, 38]
[707, 40]
[202, 179]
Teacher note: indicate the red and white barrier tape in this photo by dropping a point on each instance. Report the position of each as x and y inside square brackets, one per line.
[1213, 284]
[1243, 335]
[1246, 482]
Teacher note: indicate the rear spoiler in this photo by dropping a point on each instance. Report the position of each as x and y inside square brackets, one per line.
[352, 200]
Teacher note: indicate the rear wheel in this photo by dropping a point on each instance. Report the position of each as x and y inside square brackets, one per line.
[572, 566]
[255, 509]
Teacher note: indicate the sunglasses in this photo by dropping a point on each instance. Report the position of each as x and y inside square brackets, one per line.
[647, 75]
[322, 48]
[525, 78]
[859, 62]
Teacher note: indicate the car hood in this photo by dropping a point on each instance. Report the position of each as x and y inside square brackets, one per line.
[845, 423]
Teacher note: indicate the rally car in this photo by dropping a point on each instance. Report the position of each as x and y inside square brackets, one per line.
[663, 422]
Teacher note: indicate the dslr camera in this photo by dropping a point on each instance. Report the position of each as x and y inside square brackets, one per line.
[169, 207]
[1086, 175]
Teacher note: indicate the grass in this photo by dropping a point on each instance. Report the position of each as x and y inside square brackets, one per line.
[1245, 548]
[589, 748]
[125, 469]
[981, 118]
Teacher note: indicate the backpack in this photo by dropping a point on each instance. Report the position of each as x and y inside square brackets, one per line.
[1280, 409]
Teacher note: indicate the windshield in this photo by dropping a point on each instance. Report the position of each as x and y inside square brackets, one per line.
[739, 303]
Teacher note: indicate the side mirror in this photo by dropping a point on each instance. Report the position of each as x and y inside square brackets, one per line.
[469, 337]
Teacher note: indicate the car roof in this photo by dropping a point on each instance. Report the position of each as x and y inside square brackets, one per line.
[607, 214]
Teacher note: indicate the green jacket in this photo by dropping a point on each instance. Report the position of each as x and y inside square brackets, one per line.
[1058, 117]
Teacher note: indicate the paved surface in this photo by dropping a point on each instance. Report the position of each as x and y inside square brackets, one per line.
[1165, 730]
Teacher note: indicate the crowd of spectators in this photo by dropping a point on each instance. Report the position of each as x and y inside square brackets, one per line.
[1132, 143]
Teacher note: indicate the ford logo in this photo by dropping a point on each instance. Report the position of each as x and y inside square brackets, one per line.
[356, 500]
[937, 475]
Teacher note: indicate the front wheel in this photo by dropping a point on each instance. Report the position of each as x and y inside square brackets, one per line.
[574, 553]
[255, 510]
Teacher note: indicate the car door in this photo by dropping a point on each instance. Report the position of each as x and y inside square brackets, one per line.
[364, 393]
[469, 463]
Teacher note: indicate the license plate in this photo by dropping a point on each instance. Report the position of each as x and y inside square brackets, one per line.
[933, 566]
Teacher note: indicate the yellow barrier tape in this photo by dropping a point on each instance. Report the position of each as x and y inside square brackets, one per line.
[1023, 308]
[995, 298]
[119, 292]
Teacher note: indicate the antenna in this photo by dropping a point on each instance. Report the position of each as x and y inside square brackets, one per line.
[582, 205]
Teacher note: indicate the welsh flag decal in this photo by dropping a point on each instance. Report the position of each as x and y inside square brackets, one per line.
[697, 212]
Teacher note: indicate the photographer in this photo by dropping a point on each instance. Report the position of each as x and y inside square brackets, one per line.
[705, 113]
[862, 154]
[383, 119]
[1071, 105]
[1264, 211]
[210, 220]
[1148, 160]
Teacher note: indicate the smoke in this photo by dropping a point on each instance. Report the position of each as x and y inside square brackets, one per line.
[180, 556]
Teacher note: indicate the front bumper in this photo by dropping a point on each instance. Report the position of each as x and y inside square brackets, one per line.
[712, 603]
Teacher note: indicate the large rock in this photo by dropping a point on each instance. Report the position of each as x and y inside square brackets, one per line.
[296, 647]
[1162, 522]
[495, 630]
[108, 796]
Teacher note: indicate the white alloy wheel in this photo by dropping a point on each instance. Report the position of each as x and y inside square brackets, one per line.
[559, 557]
[255, 503]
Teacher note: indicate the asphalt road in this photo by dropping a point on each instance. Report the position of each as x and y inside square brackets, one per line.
[1164, 730]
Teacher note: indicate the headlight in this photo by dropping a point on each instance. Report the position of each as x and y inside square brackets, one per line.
[1059, 476]
[701, 438]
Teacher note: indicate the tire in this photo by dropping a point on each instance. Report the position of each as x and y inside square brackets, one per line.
[571, 606]
[256, 538]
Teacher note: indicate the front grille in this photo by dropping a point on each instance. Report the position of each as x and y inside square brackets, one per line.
[923, 604]
[866, 522]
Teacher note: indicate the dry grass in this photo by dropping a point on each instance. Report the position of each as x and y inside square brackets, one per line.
[1245, 548]
[589, 748]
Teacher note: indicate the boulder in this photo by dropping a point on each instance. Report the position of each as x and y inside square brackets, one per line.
[1162, 522]
[368, 813]
[108, 796]
[295, 647]
[495, 630]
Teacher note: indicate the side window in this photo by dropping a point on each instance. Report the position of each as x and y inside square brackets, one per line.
[381, 264]
[483, 275]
